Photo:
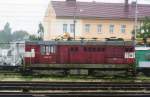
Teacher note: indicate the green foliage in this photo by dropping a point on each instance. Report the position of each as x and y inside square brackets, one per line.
[144, 31]
[41, 31]
[34, 38]
[41, 28]
[146, 25]
[6, 36]
[19, 35]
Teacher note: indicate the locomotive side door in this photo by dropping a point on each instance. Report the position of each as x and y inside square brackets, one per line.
[63, 54]
[114, 54]
[76, 55]
[88, 54]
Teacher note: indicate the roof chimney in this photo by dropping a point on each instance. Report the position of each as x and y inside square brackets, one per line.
[71, 3]
[133, 4]
[126, 5]
[94, 1]
[71, 0]
[126, 2]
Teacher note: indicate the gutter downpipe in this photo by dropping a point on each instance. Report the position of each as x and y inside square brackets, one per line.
[135, 25]
[74, 20]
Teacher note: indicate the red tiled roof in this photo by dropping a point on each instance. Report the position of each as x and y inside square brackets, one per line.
[100, 10]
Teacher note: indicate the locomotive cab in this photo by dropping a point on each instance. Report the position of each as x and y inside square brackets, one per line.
[143, 59]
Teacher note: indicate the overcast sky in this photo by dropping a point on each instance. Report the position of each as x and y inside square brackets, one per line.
[27, 14]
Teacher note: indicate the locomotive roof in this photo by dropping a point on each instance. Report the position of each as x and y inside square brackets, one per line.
[142, 48]
[81, 42]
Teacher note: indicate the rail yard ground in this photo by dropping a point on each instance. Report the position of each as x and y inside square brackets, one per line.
[11, 76]
[14, 84]
[74, 89]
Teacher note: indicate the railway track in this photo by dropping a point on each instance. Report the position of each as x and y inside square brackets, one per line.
[73, 86]
[84, 94]
[74, 89]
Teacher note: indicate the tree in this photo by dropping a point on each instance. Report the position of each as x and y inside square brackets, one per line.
[41, 30]
[144, 31]
[146, 26]
[34, 38]
[19, 35]
[5, 36]
[6, 33]
[7, 28]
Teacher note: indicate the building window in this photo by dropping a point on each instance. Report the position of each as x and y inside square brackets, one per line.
[65, 28]
[87, 27]
[123, 28]
[99, 28]
[111, 28]
[71, 28]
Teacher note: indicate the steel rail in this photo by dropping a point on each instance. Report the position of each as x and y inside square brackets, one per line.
[83, 94]
[73, 86]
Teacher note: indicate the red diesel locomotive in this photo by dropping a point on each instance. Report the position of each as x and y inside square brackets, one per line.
[80, 56]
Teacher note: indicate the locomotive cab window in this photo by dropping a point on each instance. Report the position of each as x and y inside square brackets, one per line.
[48, 49]
[93, 49]
[89, 49]
[85, 49]
[74, 49]
[128, 49]
[99, 49]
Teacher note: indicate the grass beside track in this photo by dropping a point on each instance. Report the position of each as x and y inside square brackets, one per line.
[19, 77]
[13, 76]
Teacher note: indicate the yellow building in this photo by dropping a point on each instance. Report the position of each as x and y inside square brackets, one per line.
[92, 19]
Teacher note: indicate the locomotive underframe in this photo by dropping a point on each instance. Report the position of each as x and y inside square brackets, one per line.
[145, 71]
[84, 69]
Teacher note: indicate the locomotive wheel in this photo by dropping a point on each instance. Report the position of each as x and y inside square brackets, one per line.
[103, 73]
[146, 72]
[66, 72]
[53, 72]
[131, 73]
[27, 72]
[78, 72]
[91, 72]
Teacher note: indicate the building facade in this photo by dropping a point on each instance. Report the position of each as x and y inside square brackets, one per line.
[92, 19]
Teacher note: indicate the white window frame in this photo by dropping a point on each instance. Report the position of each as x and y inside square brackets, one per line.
[71, 28]
[123, 28]
[99, 28]
[111, 28]
[65, 27]
[87, 28]
[48, 49]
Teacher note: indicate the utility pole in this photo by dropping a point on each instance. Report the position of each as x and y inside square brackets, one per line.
[74, 21]
[135, 25]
